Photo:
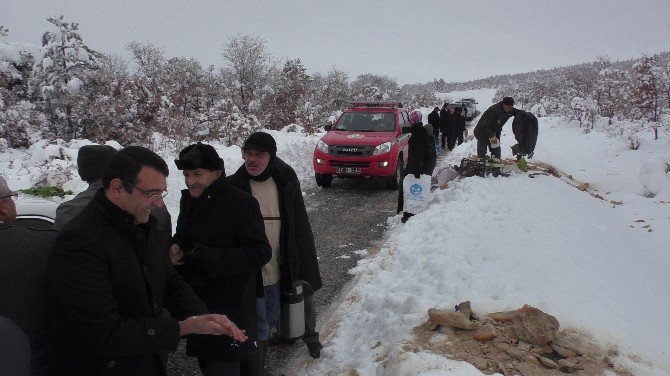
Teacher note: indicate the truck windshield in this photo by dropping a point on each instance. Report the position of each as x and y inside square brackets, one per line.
[366, 122]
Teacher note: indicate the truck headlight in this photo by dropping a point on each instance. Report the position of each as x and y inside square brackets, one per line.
[322, 146]
[383, 148]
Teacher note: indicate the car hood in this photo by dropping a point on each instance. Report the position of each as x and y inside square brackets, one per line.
[357, 138]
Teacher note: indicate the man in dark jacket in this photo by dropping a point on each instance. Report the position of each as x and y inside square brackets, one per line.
[458, 125]
[276, 187]
[221, 242]
[91, 159]
[434, 120]
[489, 127]
[444, 125]
[109, 278]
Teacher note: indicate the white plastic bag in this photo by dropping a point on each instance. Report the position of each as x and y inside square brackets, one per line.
[416, 193]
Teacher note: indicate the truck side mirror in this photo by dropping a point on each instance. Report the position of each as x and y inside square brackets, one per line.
[328, 127]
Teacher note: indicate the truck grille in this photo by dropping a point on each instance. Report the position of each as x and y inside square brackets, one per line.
[337, 163]
[344, 150]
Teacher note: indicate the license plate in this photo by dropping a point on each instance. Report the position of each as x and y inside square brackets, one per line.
[348, 170]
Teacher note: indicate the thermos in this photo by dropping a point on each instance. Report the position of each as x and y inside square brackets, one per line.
[292, 316]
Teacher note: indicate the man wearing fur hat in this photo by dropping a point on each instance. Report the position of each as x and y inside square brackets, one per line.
[277, 189]
[220, 247]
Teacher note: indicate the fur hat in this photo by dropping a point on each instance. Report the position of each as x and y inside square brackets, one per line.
[415, 117]
[91, 159]
[261, 141]
[199, 156]
[4, 188]
[508, 101]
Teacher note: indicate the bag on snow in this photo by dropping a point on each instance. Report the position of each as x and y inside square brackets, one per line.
[416, 193]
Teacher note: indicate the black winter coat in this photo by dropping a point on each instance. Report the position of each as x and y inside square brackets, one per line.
[223, 239]
[23, 268]
[525, 131]
[421, 156]
[434, 120]
[444, 121]
[457, 123]
[109, 281]
[297, 249]
[492, 120]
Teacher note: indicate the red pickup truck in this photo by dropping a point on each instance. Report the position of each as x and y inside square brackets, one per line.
[368, 140]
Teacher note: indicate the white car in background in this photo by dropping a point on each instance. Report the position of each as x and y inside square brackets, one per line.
[37, 212]
[470, 105]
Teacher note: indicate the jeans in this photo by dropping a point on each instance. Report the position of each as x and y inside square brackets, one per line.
[267, 311]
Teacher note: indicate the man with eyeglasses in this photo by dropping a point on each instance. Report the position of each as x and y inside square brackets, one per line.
[220, 247]
[7, 205]
[109, 278]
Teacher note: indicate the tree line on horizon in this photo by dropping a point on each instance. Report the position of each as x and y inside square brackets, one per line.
[66, 90]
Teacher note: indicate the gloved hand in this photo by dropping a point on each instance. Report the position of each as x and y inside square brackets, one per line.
[495, 143]
[417, 175]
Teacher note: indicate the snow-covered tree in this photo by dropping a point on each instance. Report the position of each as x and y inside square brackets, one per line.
[184, 84]
[584, 110]
[290, 91]
[371, 87]
[328, 95]
[647, 92]
[249, 63]
[147, 78]
[62, 77]
[611, 90]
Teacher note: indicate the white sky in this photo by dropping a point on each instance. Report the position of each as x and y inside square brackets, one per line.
[407, 40]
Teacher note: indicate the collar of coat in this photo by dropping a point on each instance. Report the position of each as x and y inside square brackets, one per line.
[116, 215]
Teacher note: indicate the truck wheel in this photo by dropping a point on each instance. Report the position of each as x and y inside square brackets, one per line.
[394, 181]
[323, 180]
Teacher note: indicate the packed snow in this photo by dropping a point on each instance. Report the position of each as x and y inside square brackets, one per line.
[598, 264]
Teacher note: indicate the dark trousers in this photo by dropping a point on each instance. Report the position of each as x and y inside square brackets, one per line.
[482, 145]
[311, 335]
[443, 138]
[451, 140]
[211, 367]
[460, 138]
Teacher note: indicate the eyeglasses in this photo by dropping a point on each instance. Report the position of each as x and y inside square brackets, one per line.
[14, 196]
[151, 193]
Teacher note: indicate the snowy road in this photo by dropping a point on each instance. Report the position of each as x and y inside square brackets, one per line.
[348, 220]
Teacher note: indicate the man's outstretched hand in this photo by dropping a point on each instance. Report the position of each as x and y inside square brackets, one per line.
[212, 324]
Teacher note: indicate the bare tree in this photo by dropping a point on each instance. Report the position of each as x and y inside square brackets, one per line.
[249, 61]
